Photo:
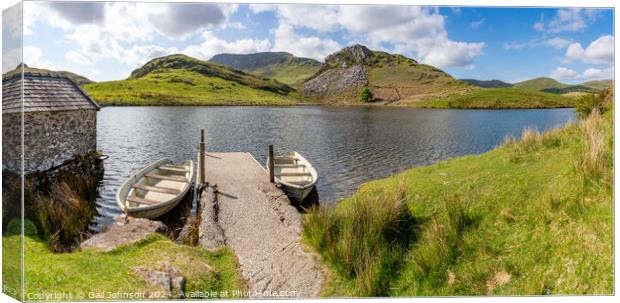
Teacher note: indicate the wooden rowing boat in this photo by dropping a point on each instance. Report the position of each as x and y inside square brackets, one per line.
[155, 189]
[296, 175]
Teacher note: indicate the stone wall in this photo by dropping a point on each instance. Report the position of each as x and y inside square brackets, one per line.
[11, 142]
[50, 138]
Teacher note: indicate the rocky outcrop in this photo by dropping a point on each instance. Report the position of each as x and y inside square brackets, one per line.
[342, 75]
[120, 233]
[348, 56]
[167, 280]
[337, 82]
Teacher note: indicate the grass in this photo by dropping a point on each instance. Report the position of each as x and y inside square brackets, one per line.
[182, 87]
[79, 273]
[496, 98]
[290, 73]
[532, 217]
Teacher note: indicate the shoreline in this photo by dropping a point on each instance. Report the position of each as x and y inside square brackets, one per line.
[333, 105]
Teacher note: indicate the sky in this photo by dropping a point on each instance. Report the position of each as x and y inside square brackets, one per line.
[107, 40]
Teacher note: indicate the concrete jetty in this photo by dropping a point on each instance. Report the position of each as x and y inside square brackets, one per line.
[258, 224]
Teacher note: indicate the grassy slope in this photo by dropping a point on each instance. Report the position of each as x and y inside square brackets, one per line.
[498, 98]
[182, 80]
[531, 217]
[81, 272]
[598, 84]
[540, 83]
[291, 74]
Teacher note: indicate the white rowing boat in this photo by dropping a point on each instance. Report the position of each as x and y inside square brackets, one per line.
[155, 189]
[296, 175]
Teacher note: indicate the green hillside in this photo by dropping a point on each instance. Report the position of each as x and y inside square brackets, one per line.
[280, 66]
[498, 98]
[533, 216]
[182, 80]
[487, 83]
[599, 84]
[540, 84]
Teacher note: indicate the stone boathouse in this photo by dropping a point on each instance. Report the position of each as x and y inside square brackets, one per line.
[59, 121]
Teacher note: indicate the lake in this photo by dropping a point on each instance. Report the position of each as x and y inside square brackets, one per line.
[347, 145]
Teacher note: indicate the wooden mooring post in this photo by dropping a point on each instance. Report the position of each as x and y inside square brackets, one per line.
[271, 173]
[202, 156]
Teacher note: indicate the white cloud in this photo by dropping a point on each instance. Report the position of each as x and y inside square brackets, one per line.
[77, 58]
[513, 45]
[539, 26]
[568, 20]
[557, 42]
[178, 20]
[138, 55]
[410, 29]
[476, 24]
[261, 8]
[563, 73]
[11, 59]
[322, 18]
[125, 31]
[600, 51]
[33, 57]
[213, 45]
[11, 20]
[286, 39]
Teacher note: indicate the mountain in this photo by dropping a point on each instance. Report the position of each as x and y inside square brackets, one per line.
[183, 80]
[78, 79]
[599, 84]
[540, 84]
[546, 84]
[390, 77]
[281, 66]
[487, 83]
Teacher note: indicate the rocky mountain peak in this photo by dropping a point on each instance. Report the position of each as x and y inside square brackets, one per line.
[350, 55]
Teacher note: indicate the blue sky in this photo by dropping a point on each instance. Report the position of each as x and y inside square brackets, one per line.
[106, 41]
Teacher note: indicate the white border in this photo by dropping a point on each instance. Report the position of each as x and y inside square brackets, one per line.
[505, 3]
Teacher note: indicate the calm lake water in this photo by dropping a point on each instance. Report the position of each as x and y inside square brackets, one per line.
[347, 145]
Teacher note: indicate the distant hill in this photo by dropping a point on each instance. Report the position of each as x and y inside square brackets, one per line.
[487, 83]
[540, 84]
[549, 85]
[78, 79]
[599, 84]
[281, 66]
[390, 77]
[183, 80]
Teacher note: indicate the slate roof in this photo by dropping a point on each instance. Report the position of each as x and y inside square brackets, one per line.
[43, 92]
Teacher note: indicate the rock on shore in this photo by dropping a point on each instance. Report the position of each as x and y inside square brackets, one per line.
[120, 233]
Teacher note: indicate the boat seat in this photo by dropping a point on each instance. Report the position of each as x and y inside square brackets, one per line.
[163, 177]
[174, 168]
[139, 200]
[300, 183]
[158, 189]
[289, 165]
[292, 174]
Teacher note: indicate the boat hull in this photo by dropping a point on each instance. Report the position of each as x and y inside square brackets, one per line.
[157, 210]
[292, 188]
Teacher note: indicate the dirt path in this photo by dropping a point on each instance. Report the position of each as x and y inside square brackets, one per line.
[261, 227]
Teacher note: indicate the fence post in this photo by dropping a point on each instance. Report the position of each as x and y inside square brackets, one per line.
[202, 156]
[271, 173]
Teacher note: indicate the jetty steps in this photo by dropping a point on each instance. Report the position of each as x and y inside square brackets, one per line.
[240, 208]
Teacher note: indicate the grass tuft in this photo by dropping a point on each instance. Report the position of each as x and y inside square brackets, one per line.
[364, 242]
